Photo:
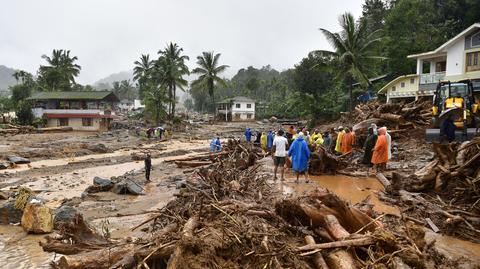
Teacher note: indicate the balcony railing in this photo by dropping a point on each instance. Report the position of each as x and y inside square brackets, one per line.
[431, 78]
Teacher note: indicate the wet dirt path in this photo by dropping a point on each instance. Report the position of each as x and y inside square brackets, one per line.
[19, 250]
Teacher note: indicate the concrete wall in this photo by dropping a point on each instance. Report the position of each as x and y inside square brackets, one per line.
[76, 124]
[243, 111]
[456, 58]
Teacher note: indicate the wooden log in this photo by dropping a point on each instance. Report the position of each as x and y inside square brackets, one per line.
[192, 163]
[341, 259]
[385, 182]
[334, 228]
[391, 117]
[358, 242]
[102, 258]
[317, 257]
[55, 129]
[175, 260]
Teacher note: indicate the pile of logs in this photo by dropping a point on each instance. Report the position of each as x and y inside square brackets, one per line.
[455, 170]
[397, 117]
[12, 129]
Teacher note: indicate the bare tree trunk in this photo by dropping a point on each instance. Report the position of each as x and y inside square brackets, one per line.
[174, 100]
[350, 94]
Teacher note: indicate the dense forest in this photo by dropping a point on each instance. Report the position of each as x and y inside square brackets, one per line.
[375, 44]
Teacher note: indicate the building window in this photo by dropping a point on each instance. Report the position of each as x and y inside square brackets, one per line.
[63, 122]
[394, 88]
[249, 105]
[473, 64]
[402, 84]
[412, 81]
[87, 122]
[441, 66]
[249, 116]
[237, 105]
[476, 40]
[236, 116]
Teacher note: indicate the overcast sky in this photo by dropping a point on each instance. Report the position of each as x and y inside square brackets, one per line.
[109, 35]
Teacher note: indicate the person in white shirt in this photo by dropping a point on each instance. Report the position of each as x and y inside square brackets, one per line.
[279, 152]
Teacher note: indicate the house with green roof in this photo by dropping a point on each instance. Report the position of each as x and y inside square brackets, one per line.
[81, 110]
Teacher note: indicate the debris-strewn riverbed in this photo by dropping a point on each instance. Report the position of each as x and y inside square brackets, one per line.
[229, 214]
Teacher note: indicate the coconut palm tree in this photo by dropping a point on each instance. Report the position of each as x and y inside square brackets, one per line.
[171, 68]
[142, 73]
[209, 69]
[352, 50]
[60, 72]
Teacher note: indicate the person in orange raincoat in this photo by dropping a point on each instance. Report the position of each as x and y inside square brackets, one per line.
[347, 141]
[380, 152]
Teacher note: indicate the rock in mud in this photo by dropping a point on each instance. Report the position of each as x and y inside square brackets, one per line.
[64, 214]
[180, 184]
[37, 218]
[3, 166]
[127, 187]
[8, 213]
[98, 148]
[18, 160]
[103, 183]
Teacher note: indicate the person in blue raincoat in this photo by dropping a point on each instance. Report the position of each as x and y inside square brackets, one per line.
[248, 134]
[269, 140]
[215, 144]
[300, 154]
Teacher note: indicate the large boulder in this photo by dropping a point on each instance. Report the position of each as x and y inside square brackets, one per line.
[37, 218]
[8, 212]
[64, 214]
[18, 160]
[102, 183]
[127, 187]
[98, 148]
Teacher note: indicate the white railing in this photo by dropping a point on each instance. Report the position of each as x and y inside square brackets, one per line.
[431, 78]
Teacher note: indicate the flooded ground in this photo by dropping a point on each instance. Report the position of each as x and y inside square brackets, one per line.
[353, 190]
[19, 250]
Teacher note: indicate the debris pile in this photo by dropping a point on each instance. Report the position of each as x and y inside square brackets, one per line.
[230, 216]
[13, 129]
[398, 117]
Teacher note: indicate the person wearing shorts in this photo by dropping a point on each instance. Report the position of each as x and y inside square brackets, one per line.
[279, 152]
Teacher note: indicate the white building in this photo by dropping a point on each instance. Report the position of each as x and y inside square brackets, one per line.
[455, 60]
[236, 109]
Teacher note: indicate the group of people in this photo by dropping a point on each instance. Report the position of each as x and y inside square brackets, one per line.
[297, 143]
[152, 132]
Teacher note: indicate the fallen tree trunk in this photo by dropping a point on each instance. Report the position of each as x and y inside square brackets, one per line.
[358, 242]
[103, 258]
[334, 228]
[385, 182]
[191, 163]
[341, 259]
[317, 257]
[175, 260]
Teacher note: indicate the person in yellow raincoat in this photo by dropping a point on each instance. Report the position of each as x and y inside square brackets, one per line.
[263, 141]
[313, 137]
[338, 145]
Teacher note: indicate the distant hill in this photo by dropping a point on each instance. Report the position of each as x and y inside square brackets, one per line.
[106, 83]
[6, 78]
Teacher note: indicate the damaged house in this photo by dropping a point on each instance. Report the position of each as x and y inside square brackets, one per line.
[81, 110]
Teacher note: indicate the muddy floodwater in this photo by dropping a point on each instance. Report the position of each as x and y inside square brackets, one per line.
[20, 250]
[353, 190]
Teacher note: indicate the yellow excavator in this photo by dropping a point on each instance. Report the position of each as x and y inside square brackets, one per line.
[457, 101]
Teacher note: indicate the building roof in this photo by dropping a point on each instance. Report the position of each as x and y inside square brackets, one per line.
[76, 95]
[400, 78]
[237, 99]
[442, 48]
[371, 80]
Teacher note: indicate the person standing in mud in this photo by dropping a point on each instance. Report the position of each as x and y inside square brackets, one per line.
[279, 153]
[338, 144]
[347, 141]
[300, 154]
[369, 146]
[148, 166]
[248, 134]
[380, 152]
[269, 140]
